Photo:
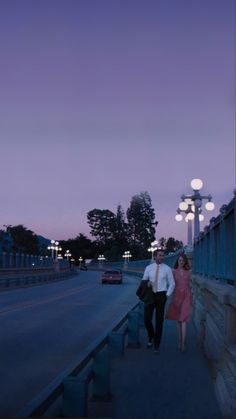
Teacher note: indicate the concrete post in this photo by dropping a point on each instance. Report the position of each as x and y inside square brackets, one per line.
[75, 397]
[26, 261]
[222, 244]
[101, 381]
[212, 248]
[5, 260]
[17, 260]
[133, 329]
[21, 260]
[11, 260]
[116, 341]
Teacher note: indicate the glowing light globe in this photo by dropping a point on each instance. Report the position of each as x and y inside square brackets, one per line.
[210, 206]
[196, 184]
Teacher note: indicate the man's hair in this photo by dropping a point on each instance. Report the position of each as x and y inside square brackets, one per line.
[158, 250]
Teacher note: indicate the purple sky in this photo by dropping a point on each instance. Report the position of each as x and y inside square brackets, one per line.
[103, 99]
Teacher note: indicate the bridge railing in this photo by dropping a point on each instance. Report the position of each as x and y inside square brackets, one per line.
[68, 394]
[215, 249]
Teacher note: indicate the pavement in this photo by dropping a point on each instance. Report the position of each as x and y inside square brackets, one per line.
[167, 385]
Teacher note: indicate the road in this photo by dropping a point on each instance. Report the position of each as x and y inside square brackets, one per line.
[43, 329]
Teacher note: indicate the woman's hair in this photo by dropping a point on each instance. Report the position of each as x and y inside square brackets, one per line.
[186, 262]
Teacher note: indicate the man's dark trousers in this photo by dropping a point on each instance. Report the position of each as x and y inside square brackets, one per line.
[158, 304]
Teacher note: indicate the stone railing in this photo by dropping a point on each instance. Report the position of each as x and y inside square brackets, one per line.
[19, 270]
[21, 260]
[214, 315]
[214, 307]
[215, 248]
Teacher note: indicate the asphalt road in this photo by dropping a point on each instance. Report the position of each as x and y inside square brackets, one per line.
[43, 328]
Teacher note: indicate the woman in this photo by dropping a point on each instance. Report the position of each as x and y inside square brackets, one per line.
[180, 307]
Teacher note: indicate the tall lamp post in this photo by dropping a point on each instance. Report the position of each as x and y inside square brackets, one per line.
[153, 247]
[189, 217]
[191, 204]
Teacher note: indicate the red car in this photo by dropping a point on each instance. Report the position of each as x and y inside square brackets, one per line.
[113, 276]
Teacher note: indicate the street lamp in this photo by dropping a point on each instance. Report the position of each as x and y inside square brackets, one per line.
[57, 247]
[54, 246]
[80, 261]
[67, 255]
[127, 255]
[101, 258]
[153, 247]
[186, 208]
[191, 205]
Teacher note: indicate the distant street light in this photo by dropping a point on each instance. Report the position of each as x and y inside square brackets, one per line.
[67, 255]
[80, 261]
[101, 259]
[153, 247]
[54, 246]
[127, 255]
[191, 205]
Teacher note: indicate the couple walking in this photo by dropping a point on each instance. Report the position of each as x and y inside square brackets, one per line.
[160, 281]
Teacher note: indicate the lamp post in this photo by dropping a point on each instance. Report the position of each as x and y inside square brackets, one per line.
[189, 216]
[191, 205]
[57, 247]
[67, 255]
[126, 256]
[153, 247]
[101, 259]
[54, 246]
[80, 261]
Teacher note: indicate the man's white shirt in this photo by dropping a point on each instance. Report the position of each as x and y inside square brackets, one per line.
[165, 281]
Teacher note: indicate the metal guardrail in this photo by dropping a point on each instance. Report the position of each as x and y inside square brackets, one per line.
[91, 365]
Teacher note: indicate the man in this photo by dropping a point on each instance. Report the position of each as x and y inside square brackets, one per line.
[160, 279]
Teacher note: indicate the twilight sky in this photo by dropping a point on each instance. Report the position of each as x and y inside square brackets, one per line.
[103, 99]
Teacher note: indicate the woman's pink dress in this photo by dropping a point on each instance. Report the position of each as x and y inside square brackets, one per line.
[180, 307]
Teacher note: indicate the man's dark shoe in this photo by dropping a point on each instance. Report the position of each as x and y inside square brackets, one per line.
[156, 349]
[149, 344]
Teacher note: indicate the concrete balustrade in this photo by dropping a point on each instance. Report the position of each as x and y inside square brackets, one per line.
[21, 260]
[215, 249]
[215, 320]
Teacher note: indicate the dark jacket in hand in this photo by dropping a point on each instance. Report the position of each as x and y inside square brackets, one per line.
[144, 292]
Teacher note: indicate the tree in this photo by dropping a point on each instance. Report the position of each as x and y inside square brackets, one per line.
[80, 246]
[120, 228]
[162, 242]
[140, 217]
[102, 224]
[24, 240]
[6, 241]
[172, 245]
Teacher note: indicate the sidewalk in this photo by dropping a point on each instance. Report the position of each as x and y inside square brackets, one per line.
[168, 385]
